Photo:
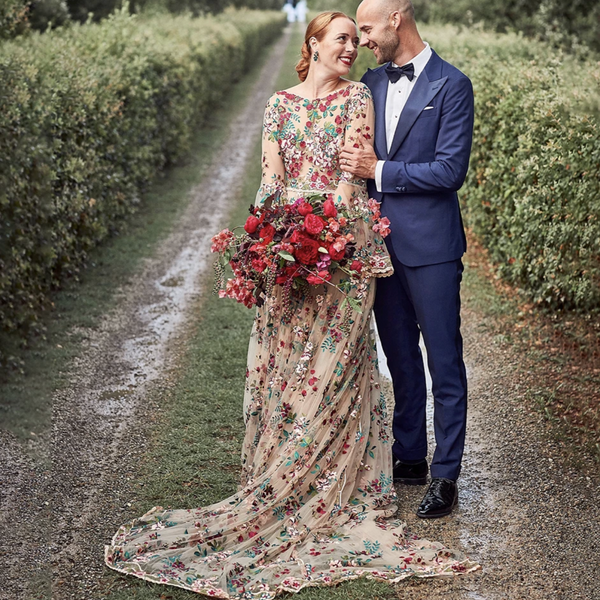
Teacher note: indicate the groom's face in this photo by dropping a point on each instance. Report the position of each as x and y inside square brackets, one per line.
[377, 32]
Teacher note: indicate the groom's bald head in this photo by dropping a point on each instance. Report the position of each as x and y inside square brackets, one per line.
[384, 8]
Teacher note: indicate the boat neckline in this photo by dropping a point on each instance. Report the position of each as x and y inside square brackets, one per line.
[335, 93]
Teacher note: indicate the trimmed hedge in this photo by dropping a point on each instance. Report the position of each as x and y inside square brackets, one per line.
[532, 195]
[88, 116]
[13, 18]
[573, 25]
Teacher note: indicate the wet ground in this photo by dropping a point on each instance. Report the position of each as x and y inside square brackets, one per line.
[532, 521]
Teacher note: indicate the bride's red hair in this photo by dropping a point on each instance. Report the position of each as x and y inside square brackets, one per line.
[317, 28]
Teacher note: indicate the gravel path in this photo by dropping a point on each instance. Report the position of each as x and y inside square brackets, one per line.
[530, 519]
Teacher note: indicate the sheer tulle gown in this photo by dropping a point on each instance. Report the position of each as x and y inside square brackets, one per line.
[316, 502]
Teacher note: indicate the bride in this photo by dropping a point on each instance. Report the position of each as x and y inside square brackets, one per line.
[316, 502]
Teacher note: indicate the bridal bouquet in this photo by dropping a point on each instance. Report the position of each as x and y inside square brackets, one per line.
[295, 245]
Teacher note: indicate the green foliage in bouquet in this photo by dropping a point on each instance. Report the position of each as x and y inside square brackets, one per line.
[532, 194]
[88, 117]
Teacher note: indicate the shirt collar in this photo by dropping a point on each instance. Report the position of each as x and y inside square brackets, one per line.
[420, 60]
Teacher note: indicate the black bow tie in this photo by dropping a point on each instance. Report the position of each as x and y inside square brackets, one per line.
[394, 73]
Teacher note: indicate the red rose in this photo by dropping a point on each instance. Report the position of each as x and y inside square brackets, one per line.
[259, 265]
[336, 254]
[307, 251]
[305, 208]
[251, 224]
[329, 209]
[356, 266]
[313, 224]
[267, 233]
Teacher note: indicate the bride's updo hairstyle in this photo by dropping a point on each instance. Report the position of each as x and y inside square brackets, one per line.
[317, 28]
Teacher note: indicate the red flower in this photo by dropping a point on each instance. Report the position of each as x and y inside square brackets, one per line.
[290, 271]
[356, 266]
[317, 280]
[267, 233]
[285, 247]
[336, 254]
[329, 209]
[251, 224]
[259, 265]
[313, 224]
[307, 252]
[305, 208]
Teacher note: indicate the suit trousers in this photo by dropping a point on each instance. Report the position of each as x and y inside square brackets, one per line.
[425, 300]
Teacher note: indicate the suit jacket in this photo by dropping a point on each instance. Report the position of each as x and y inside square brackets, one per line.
[427, 163]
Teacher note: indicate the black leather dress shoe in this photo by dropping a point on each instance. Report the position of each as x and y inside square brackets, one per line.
[440, 499]
[410, 474]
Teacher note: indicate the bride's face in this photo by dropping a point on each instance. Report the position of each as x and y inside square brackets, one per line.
[339, 47]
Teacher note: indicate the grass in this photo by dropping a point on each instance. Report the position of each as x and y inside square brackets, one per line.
[26, 395]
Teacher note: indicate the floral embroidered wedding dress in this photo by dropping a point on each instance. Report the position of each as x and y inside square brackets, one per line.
[316, 500]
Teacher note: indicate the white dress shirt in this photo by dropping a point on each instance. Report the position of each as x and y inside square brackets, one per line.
[397, 96]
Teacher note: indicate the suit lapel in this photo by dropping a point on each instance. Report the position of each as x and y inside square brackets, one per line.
[421, 95]
[379, 92]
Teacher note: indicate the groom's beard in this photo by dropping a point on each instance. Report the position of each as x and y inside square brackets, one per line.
[388, 48]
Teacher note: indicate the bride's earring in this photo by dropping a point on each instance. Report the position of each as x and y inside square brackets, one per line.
[316, 55]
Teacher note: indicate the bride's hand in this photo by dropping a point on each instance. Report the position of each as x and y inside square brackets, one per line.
[360, 161]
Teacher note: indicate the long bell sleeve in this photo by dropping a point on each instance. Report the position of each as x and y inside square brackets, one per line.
[360, 121]
[273, 170]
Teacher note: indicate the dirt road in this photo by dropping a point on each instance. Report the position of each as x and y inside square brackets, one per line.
[532, 522]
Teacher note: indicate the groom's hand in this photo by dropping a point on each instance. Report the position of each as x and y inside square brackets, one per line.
[359, 159]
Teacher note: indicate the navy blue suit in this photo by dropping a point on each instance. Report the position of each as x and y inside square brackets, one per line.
[426, 165]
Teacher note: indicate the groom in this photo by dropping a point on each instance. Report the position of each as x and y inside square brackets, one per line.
[423, 132]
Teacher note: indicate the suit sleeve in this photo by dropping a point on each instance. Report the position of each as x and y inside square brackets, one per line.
[447, 172]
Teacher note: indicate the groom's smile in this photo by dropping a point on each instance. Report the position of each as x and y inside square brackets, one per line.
[378, 33]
